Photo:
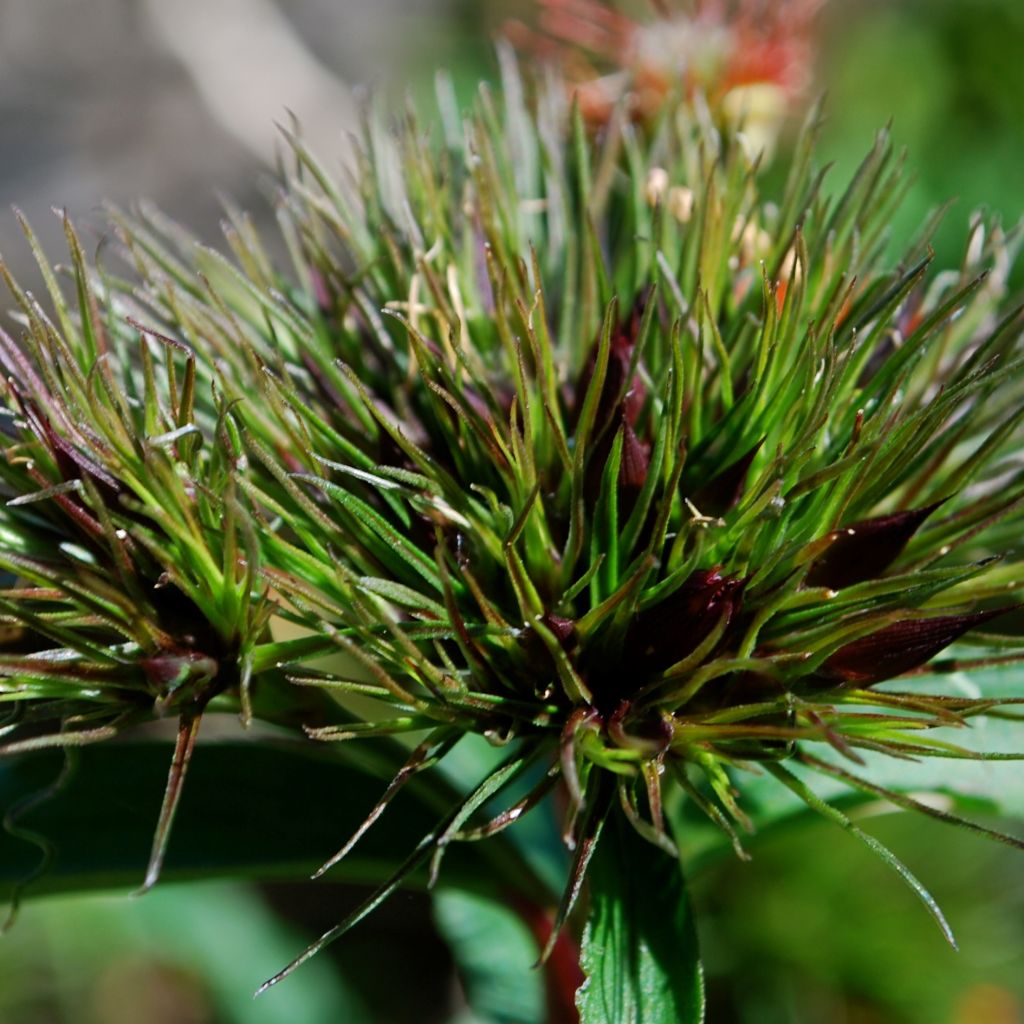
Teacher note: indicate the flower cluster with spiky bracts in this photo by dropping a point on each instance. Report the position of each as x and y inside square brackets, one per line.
[651, 491]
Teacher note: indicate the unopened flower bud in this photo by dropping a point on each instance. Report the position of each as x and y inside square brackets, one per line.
[657, 185]
[680, 203]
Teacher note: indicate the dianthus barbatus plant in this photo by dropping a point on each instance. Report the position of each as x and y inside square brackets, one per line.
[574, 441]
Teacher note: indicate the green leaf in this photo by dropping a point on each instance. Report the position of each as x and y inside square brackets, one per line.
[274, 810]
[640, 953]
[218, 935]
[495, 953]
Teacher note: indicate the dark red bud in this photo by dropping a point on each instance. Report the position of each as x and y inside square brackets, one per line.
[622, 353]
[72, 463]
[864, 550]
[646, 729]
[668, 632]
[170, 671]
[636, 459]
[535, 660]
[563, 629]
[724, 490]
[633, 465]
[900, 647]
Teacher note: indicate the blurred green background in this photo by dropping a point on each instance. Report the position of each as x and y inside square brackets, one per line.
[814, 931]
[950, 75]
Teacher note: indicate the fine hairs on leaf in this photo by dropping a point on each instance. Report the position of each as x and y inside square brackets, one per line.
[639, 946]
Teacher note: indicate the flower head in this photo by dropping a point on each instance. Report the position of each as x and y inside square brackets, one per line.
[543, 461]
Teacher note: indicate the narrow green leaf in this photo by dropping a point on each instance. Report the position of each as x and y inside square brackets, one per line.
[825, 809]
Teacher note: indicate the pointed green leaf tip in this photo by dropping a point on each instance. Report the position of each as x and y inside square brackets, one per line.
[640, 953]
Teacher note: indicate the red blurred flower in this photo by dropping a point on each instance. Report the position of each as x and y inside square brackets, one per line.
[719, 47]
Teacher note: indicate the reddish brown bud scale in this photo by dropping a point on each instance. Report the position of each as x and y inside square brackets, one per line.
[662, 636]
[182, 675]
[635, 462]
[71, 462]
[668, 632]
[901, 647]
[622, 398]
[563, 629]
[864, 550]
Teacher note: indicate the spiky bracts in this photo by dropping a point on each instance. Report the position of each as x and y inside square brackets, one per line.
[579, 443]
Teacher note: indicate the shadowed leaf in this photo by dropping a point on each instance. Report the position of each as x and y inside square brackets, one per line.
[724, 490]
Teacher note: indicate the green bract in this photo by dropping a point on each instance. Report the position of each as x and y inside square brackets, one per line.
[575, 441]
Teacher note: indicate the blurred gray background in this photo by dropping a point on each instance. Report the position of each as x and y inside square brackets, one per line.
[175, 100]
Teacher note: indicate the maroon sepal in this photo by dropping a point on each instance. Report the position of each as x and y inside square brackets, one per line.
[633, 465]
[900, 647]
[864, 550]
[621, 399]
[633, 469]
[724, 490]
[564, 629]
[169, 668]
[532, 664]
[636, 459]
[71, 463]
[668, 632]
